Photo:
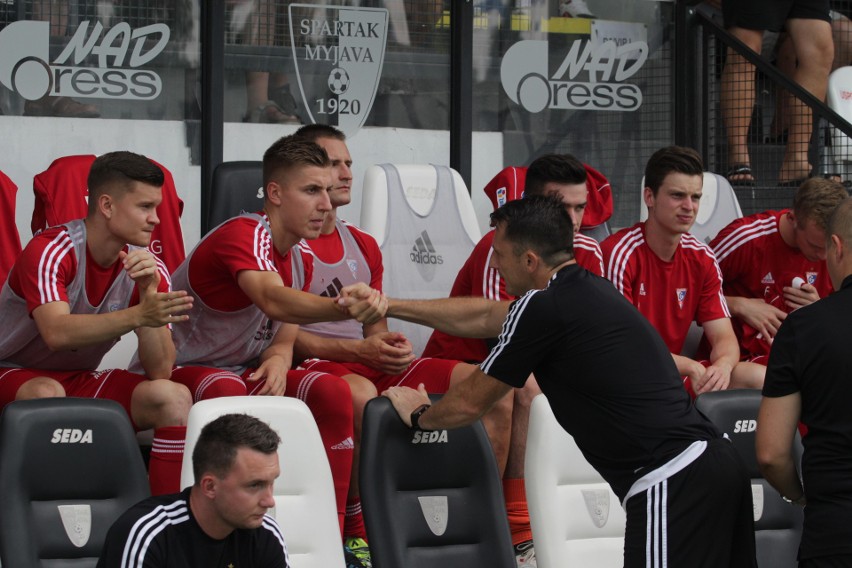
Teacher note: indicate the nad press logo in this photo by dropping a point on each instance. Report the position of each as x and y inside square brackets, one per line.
[25, 65]
[589, 77]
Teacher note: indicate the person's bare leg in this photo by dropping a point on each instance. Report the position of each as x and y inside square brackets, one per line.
[747, 375]
[737, 99]
[520, 427]
[40, 387]
[814, 54]
[785, 60]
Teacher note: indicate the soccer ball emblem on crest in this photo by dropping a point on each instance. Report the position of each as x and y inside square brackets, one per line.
[338, 81]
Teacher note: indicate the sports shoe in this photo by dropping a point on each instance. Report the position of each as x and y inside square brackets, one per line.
[574, 9]
[350, 559]
[358, 547]
[525, 554]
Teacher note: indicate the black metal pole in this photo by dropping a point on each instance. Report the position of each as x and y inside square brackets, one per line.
[461, 88]
[212, 97]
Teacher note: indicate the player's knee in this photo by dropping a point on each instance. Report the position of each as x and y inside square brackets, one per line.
[363, 391]
[40, 387]
[166, 402]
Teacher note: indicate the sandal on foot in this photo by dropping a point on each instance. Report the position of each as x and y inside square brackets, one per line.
[271, 113]
[740, 170]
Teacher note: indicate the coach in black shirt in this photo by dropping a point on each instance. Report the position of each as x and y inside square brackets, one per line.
[809, 378]
[612, 385]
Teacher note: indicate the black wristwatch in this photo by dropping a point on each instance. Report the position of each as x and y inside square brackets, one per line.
[415, 416]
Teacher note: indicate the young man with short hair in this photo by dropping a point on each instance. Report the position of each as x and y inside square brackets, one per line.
[247, 307]
[774, 262]
[221, 519]
[672, 277]
[370, 357]
[77, 288]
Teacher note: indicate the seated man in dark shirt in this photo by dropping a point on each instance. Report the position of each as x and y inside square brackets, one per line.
[221, 520]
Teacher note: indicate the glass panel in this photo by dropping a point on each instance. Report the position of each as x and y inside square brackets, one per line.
[549, 79]
[88, 77]
[379, 71]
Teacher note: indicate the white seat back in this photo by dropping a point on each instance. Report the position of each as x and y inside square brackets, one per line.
[719, 206]
[839, 99]
[425, 231]
[577, 520]
[304, 493]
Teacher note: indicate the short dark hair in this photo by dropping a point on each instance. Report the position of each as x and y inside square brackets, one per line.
[671, 159]
[217, 445]
[816, 200]
[291, 151]
[314, 132]
[538, 223]
[114, 172]
[556, 168]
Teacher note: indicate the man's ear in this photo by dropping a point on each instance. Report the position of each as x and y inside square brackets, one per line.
[648, 197]
[105, 203]
[837, 248]
[531, 261]
[208, 485]
[273, 192]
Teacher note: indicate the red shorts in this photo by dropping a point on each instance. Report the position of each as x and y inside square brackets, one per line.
[112, 384]
[433, 373]
[206, 382]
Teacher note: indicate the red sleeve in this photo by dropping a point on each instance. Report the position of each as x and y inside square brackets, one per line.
[588, 253]
[45, 267]
[476, 278]
[619, 266]
[713, 305]
[241, 244]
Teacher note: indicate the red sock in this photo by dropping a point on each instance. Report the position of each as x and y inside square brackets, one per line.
[354, 523]
[330, 401]
[166, 459]
[514, 492]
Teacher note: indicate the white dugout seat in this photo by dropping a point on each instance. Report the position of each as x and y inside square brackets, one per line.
[577, 520]
[424, 221]
[304, 493]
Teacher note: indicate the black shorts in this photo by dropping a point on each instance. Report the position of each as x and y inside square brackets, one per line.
[770, 15]
[838, 561]
[700, 517]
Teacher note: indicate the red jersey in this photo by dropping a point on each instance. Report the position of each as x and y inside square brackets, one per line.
[241, 243]
[61, 194]
[48, 264]
[477, 279]
[757, 263]
[670, 294]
